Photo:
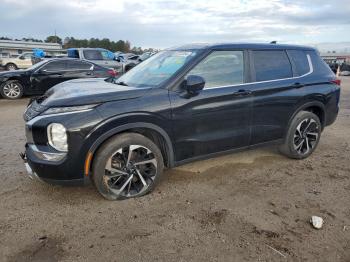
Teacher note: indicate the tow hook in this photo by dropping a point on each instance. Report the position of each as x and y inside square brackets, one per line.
[23, 156]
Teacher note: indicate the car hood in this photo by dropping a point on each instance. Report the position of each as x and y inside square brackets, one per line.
[88, 91]
[12, 73]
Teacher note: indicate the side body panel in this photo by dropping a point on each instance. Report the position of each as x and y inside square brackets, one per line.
[215, 120]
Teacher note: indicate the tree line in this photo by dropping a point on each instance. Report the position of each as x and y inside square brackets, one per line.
[69, 42]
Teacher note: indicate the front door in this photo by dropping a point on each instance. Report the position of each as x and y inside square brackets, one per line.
[218, 118]
[53, 73]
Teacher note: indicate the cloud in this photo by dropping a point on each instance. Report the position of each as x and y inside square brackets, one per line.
[166, 23]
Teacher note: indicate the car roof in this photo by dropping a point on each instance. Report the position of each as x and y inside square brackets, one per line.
[65, 59]
[74, 59]
[87, 48]
[208, 46]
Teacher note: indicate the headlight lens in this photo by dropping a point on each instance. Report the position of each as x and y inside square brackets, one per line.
[58, 110]
[57, 136]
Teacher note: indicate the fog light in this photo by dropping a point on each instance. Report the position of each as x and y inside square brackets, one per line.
[57, 136]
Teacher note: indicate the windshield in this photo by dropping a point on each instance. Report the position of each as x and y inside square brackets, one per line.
[157, 69]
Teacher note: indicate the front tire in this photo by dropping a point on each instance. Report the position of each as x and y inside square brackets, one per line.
[303, 136]
[11, 67]
[126, 166]
[11, 89]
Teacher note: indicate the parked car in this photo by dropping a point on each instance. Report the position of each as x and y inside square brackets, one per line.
[345, 73]
[22, 61]
[99, 56]
[47, 73]
[129, 61]
[180, 105]
[145, 56]
[345, 69]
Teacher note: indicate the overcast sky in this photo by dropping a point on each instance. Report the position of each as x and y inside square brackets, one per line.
[152, 23]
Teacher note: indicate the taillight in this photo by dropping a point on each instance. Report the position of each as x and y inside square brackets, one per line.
[336, 81]
[112, 72]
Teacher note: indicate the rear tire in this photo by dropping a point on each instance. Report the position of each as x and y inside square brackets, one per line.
[126, 166]
[303, 136]
[11, 89]
[11, 67]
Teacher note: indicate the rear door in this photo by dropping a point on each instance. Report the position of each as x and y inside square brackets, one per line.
[78, 69]
[218, 118]
[276, 90]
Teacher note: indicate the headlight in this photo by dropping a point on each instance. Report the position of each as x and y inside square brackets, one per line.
[57, 136]
[67, 109]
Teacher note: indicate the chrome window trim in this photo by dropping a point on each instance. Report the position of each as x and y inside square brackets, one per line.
[66, 70]
[311, 70]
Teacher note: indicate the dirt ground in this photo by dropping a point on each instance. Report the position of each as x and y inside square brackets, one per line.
[249, 206]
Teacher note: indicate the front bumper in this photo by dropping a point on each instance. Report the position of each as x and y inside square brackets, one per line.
[31, 174]
[52, 172]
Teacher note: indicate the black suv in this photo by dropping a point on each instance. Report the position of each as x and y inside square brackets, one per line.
[180, 105]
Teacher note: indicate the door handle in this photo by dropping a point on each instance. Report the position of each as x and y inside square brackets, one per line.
[242, 92]
[298, 85]
[57, 75]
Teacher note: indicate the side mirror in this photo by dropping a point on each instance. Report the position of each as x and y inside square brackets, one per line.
[117, 59]
[21, 57]
[193, 84]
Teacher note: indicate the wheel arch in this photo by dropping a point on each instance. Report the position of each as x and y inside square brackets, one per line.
[155, 133]
[11, 63]
[316, 107]
[14, 78]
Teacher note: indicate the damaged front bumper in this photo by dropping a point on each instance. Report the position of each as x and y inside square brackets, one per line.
[31, 174]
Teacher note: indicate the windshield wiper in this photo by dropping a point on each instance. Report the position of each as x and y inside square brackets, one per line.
[122, 83]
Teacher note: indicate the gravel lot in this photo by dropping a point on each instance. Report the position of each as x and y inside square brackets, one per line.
[241, 207]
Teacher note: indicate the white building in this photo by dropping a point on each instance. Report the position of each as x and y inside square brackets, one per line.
[10, 48]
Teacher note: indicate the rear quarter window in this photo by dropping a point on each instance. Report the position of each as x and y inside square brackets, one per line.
[55, 66]
[78, 65]
[271, 65]
[319, 65]
[300, 61]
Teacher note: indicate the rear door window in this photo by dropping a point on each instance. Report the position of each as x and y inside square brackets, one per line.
[27, 56]
[78, 65]
[55, 66]
[93, 55]
[301, 63]
[221, 68]
[271, 65]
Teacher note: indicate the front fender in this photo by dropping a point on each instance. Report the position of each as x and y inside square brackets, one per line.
[121, 123]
